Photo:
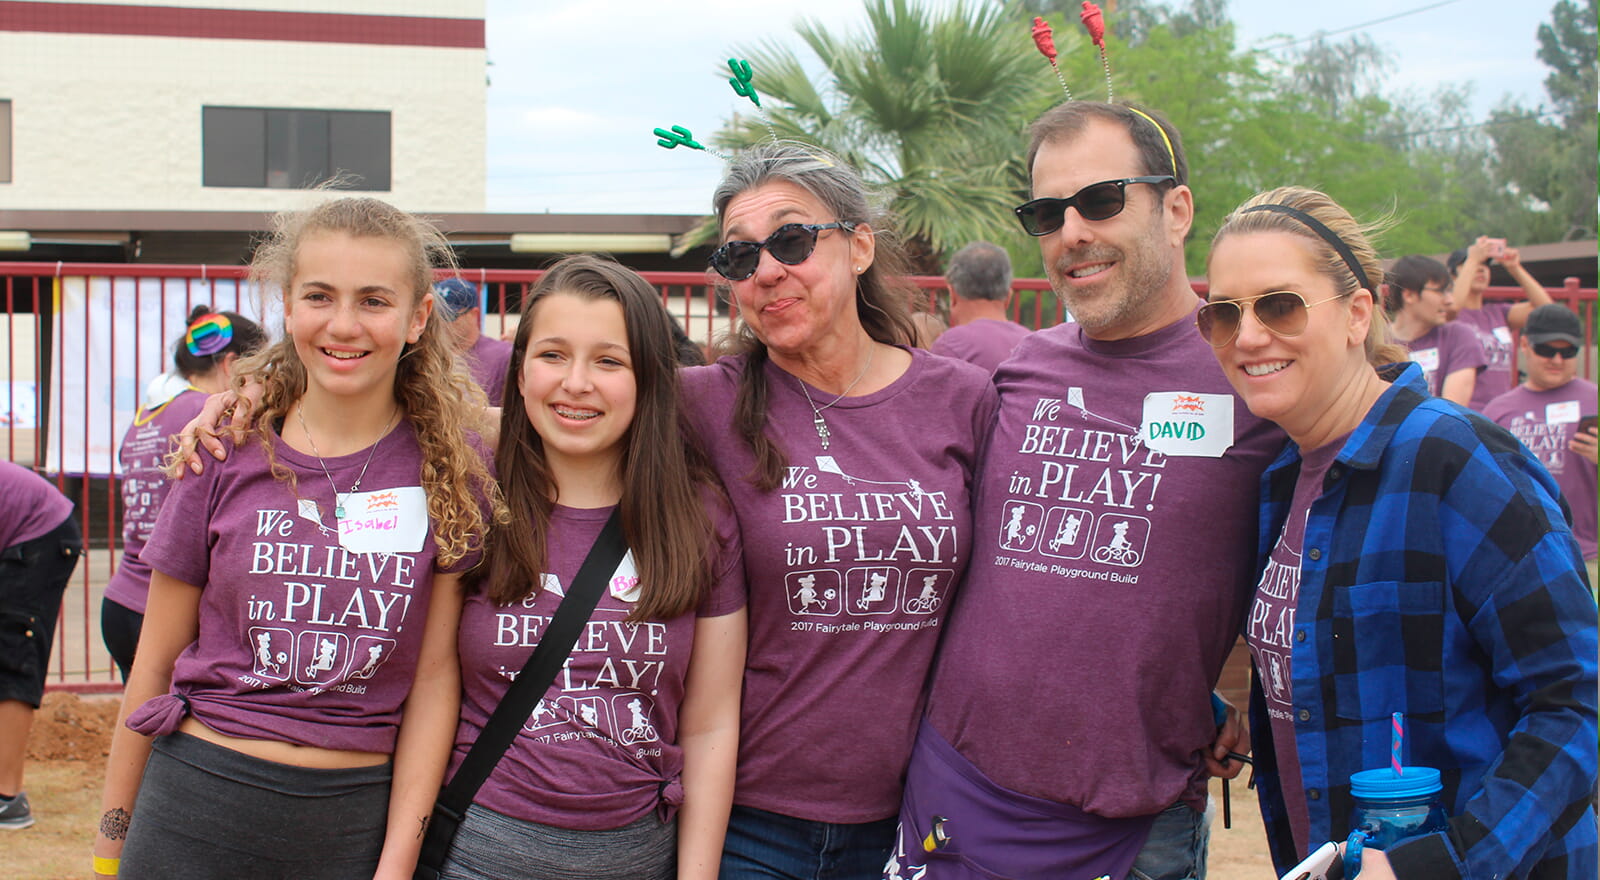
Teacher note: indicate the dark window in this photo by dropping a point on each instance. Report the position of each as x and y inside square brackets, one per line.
[5, 143]
[294, 149]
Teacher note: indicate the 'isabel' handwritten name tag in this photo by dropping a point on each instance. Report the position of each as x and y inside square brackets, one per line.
[384, 521]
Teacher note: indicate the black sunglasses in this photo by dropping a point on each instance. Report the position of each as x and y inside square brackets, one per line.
[1097, 201]
[789, 244]
[1546, 350]
[1282, 312]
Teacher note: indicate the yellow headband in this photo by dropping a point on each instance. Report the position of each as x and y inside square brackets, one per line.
[1171, 156]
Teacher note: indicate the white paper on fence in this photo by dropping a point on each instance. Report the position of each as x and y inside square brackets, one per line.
[19, 406]
[111, 338]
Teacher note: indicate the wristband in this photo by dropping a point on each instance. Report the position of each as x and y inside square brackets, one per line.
[109, 867]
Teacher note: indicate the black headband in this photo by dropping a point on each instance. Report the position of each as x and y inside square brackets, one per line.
[1327, 235]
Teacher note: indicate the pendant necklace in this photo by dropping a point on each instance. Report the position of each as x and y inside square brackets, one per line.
[338, 507]
[820, 423]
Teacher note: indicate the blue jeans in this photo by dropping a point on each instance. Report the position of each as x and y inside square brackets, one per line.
[762, 845]
[1176, 849]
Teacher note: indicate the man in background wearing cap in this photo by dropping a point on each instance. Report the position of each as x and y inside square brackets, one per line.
[1492, 322]
[487, 358]
[1553, 414]
[980, 285]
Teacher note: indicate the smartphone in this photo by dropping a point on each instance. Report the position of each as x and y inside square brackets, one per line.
[1497, 247]
[1587, 424]
[1324, 864]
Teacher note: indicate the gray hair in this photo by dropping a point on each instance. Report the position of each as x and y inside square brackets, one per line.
[882, 298]
[980, 271]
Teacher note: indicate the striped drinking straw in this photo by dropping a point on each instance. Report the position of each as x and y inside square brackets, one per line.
[1399, 730]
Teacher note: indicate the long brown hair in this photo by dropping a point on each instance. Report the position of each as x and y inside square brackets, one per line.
[439, 398]
[663, 483]
[882, 297]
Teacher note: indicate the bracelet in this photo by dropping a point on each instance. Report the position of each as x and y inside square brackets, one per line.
[109, 867]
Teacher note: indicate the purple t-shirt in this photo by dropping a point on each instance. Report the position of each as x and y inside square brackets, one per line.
[487, 360]
[34, 506]
[1108, 579]
[1489, 325]
[598, 749]
[143, 455]
[1444, 350]
[850, 565]
[1545, 422]
[983, 342]
[1270, 625]
[301, 641]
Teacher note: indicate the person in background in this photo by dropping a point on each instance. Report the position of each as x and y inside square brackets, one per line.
[980, 289]
[1493, 322]
[212, 343]
[1412, 558]
[1553, 414]
[487, 358]
[689, 352]
[1449, 353]
[39, 547]
[849, 459]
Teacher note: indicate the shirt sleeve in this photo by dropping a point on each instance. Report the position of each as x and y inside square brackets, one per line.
[1515, 571]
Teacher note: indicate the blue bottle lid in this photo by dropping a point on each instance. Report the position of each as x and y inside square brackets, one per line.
[1383, 785]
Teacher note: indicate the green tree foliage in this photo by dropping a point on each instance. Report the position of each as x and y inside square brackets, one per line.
[933, 106]
[1545, 159]
[927, 103]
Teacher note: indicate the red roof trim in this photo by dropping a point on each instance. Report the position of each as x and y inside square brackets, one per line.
[240, 24]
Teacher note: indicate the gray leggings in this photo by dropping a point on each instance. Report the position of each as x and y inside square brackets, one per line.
[205, 811]
[492, 846]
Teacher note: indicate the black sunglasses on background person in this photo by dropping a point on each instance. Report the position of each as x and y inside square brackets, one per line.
[1097, 201]
[789, 244]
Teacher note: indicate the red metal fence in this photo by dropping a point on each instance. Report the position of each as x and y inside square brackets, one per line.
[82, 341]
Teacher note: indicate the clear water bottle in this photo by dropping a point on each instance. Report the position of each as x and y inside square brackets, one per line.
[1390, 808]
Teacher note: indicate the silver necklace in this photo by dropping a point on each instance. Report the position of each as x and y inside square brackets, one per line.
[821, 424]
[338, 508]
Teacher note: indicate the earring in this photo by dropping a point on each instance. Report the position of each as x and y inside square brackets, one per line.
[859, 270]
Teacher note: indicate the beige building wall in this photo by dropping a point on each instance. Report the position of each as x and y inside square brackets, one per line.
[114, 122]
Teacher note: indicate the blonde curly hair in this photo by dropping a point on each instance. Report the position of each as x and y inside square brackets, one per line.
[440, 399]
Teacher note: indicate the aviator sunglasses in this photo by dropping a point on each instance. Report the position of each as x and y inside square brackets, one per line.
[1282, 312]
[789, 244]
[1546, 350]
[1097, 201]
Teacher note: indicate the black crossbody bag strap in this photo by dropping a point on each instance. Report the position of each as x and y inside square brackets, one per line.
[530, 684]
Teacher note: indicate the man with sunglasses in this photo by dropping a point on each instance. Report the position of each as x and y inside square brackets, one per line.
[1070, 730]
[1553, 414]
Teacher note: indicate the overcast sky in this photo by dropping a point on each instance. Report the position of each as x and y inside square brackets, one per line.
[576, 87]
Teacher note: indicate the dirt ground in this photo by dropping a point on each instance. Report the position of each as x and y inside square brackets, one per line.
[67, 757]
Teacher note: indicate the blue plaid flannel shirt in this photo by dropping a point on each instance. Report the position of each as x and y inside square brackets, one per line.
[1440, 579]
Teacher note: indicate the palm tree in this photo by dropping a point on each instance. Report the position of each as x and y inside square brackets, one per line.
[929, 104]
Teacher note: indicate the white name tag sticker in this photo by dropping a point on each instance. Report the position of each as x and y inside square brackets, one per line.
[385, 521]
[1188, 423]
[1563, 413]
[1428, 358]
